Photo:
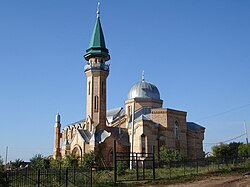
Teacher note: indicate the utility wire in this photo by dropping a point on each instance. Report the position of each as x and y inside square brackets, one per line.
[222, 113]
[228, 140]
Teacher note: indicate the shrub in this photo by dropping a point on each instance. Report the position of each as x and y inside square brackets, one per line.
[88, 159]
[39, 162]
[168, 155]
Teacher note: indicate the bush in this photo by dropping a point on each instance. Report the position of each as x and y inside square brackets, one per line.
[168, 155]
[1, 165]
[56, 163]
[70, 161]
[121, 167]
[17, 163]
[38, 162]
[88, 159]
[244, 150]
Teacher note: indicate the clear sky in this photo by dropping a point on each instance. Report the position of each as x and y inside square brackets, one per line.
[197, 52]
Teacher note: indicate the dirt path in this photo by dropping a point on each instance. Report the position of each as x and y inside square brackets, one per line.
[229, 181]
[232, 181]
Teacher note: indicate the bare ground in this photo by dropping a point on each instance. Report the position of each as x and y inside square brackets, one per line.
[218, 181]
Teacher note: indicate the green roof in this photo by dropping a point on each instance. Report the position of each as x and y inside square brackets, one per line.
[97, 45]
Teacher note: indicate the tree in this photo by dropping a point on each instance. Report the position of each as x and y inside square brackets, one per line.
[233, 150]
[39, 162]
[1, 171]
[168, 155]
[1, 165]
[226, 151]
[17, 163]
[70, 160]
[244, 150]
[88, 159]
[56, 163]
[221, 151]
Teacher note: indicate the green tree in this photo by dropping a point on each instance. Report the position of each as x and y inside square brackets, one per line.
[168, 155]
[88, 159]
[221, 151]
[233, 150]
[56, 163]
[70, 160]
[1, 165]
[227, 151]
[1, 171]
[39, 162]
[17, 163]
[244, 150]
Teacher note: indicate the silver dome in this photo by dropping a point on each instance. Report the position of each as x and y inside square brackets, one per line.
[144, 90]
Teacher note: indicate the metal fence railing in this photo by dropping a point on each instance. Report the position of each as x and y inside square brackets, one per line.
[126, 167]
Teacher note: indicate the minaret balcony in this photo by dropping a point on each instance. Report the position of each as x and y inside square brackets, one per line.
[97, 66]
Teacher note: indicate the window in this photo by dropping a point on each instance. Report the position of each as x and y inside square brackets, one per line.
[176, 130]
[143, 145]
[129, 110]
[89, 87]
[67, 133]
[72, 132]
[96, 104]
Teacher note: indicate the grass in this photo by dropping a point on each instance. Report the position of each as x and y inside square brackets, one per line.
[174, 175]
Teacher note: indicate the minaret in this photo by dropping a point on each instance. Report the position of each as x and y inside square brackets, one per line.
[97, 72]
[57, 137]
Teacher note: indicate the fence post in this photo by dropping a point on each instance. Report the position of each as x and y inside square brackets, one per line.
[153, 162]
[143, 169]
[137, 167]
[184, 167]
[170, 169]
[59, 174]
[91, 177]
[74, 175]
[38, 178]
[197, 165]
[66, 178]
[115, 162]
[6, 178]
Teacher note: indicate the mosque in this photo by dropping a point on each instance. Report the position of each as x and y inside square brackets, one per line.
[137, 126]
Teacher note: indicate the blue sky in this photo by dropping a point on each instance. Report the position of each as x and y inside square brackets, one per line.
[195, 52]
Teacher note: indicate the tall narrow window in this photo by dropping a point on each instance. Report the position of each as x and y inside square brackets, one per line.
[176, 130]
[129, 111]
[96, 103]
[143, 145]
[89, 87]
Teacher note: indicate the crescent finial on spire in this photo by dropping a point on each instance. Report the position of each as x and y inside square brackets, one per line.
[98, 10]
[143, 77]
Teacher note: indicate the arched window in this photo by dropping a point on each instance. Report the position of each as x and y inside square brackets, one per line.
[143, 145]
[176, 130]
[96, 103]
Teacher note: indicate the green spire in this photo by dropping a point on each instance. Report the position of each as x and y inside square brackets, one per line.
[97, 45]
